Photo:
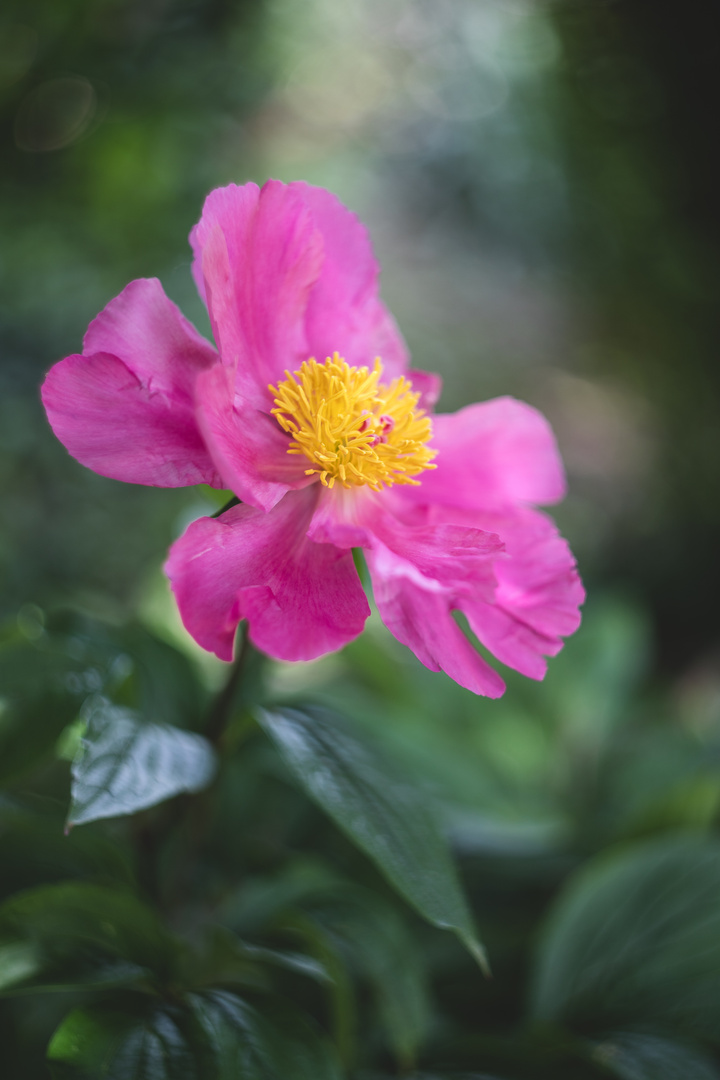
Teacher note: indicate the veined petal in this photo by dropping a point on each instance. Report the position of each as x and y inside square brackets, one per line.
[301, 599]
[125, 408]
[492, 455]
[538, 594]
[344, 312]
[417, 611]
[257, 256]
[246, 444]
[457, 555]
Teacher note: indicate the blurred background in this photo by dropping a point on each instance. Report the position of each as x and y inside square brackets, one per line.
[540, 182]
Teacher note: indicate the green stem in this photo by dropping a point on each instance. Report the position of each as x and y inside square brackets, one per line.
[220, 712]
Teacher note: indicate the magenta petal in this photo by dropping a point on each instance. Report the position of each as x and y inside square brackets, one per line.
[428, 385]
[537, 598]
[247, 445]
[492, 455]
[344, 312]
[417, 612]
[152, 337]
[125, 409]
[257, 255]
[457, 555]
[301, 599]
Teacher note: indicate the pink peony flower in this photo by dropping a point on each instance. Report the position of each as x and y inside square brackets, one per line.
[308, 413]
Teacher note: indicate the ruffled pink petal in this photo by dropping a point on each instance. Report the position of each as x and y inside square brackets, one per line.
[126, 407]
[344, 312]
[538, 594]
[247, 445]
[416, 610]
[301, 599]
[458, 555]
[257, 256]
[492, 455]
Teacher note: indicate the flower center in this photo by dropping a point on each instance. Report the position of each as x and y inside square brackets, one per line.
[353, 428]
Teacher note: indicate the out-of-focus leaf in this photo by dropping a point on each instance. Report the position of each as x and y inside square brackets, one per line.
[126, 764]
[260, 900]
[635, 939]
[40, 693]
[246, 1044]
[59, 936]
[97, 1043]
[142, 671]
[374, 943]
[34, 851]
[383, 815]
[632, 1055]
[44, 682]
[226, 960]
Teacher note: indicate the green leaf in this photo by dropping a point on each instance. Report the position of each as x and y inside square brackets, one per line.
[96, 1043]
[382, 814]
[374, 942]
[636, 1056]
[635, 939]
[40, 693]
[59, 936]
[126, 764]
[133, 667]
[33, 851]
[210, 1036]
[247, 1044]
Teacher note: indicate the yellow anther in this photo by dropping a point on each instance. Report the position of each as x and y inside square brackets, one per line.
[354, 429]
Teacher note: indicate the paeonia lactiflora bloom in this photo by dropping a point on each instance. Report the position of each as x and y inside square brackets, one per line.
[308, 412]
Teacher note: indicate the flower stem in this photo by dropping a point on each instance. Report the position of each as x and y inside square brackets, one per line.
[222, 707]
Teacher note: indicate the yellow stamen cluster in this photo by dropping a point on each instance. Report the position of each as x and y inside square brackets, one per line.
[354, 429]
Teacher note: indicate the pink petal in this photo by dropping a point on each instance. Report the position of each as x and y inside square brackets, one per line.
[301, 599]
[416, 611]
[537, 597]
[257, 256]
[125, 408]
[428, 385]
[246, 444]
[344, 311]
[457, 555]
[492, 455]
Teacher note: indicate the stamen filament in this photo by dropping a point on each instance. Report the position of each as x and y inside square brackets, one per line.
[354, 429]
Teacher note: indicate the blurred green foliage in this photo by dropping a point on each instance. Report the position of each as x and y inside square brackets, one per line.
[540, 188]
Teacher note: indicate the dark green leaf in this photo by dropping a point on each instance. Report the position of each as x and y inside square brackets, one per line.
[635, 939]
[126, 765]
[135, 667]
[637, 1056]
[374, 942]
[40, 693]
[250, 1046]
[34, 851]
[96, 1043]
[80, 934]
[210, 1036]
[382, 814]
